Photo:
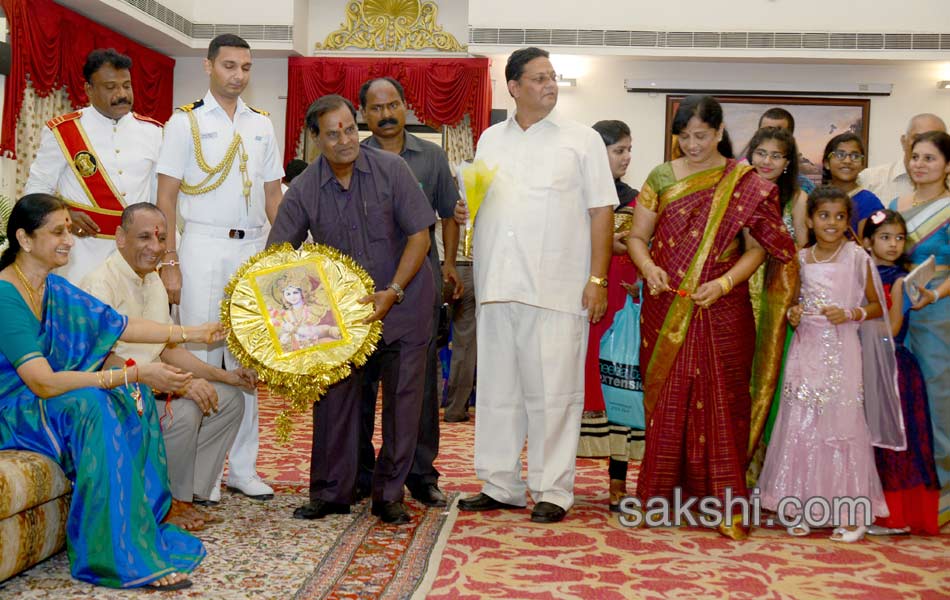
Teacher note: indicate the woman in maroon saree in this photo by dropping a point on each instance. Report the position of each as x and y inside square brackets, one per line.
[702, 225]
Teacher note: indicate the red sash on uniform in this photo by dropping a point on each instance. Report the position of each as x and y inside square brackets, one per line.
[107, 204]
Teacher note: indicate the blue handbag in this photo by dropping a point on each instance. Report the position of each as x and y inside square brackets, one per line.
[620, 368]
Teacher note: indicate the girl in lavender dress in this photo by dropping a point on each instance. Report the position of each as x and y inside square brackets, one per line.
[840, 389]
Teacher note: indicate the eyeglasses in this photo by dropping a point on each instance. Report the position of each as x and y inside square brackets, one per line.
[763, 154]
[542, 78]
[841, 155]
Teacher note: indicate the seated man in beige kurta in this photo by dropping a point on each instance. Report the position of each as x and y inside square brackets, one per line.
[200, 422]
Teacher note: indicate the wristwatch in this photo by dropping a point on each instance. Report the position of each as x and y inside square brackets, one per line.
[400, 293]
[601, 281]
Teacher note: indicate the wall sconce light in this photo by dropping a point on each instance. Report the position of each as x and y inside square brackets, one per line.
[566, 81]
[943, 85]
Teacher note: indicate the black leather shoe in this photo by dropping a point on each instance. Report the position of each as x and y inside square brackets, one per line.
[428, 494]
[390, 512]
[484, 502]
[455, 418]
[317, 509]
[545, 512]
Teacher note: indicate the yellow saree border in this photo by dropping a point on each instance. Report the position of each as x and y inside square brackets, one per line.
[689, 185]
[779, 291]
[926, 221]
[678, 317]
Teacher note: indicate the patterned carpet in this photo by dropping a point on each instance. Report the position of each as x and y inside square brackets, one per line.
[260, 552]
[590, 555]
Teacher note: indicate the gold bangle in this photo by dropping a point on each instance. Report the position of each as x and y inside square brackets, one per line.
[724, 284]
[170, 328]
[732, 282]
[111, 372]
[184, 338]
[100, 379]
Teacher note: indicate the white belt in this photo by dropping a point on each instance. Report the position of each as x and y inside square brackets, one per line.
[232, 233]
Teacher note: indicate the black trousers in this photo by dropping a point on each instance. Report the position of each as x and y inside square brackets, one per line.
[334, 458]
[423, 469]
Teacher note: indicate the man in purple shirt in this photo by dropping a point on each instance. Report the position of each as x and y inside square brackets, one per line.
[367, 204]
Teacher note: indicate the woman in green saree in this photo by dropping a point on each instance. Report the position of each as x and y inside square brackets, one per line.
[58, 398]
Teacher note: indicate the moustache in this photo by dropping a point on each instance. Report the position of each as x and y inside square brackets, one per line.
[385, 122]
[121, 101]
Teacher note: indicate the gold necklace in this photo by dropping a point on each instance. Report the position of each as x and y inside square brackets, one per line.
[916, 202]
[30, 290]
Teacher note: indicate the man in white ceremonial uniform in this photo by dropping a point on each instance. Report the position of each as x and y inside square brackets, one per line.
[542, 246]
[892, 180]
[220, 168]
[99, 159]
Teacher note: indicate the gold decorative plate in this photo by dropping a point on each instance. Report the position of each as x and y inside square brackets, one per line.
[295, 318]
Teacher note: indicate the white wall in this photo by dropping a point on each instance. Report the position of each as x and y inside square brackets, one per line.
[268, 83]
[714, 15]
[268, 12]
[600, 95]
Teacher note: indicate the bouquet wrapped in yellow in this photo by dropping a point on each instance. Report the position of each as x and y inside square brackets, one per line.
[476, 178]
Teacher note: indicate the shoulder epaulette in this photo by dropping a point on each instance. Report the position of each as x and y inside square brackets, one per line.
[57, 121]
[145, 119]
[192, 106]
[259, 111]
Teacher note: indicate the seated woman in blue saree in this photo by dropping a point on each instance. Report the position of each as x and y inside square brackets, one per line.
[99, 425]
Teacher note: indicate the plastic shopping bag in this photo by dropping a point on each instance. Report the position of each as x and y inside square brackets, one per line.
[620, 368]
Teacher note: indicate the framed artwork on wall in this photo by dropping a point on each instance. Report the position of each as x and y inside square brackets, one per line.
[817, 120]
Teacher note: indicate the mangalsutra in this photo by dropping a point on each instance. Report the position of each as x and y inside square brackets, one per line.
[30, 290]
[814, 258]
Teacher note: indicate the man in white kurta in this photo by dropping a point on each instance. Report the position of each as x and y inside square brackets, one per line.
[125, 147]
[224, 220]
[542, 246]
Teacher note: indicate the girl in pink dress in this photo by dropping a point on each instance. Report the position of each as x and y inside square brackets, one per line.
[840, 388]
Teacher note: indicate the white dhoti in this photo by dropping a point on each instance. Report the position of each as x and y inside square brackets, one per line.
[86, 255]
[530, 383]
[209, 257]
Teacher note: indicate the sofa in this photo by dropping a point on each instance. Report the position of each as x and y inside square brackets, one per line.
[34, 501]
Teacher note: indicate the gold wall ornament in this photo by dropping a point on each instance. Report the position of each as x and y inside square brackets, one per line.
[391, 26]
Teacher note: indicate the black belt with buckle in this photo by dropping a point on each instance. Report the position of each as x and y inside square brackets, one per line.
[237, 234]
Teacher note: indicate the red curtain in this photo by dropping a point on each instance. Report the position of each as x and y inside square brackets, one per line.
[439, 91]
[49, 46]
